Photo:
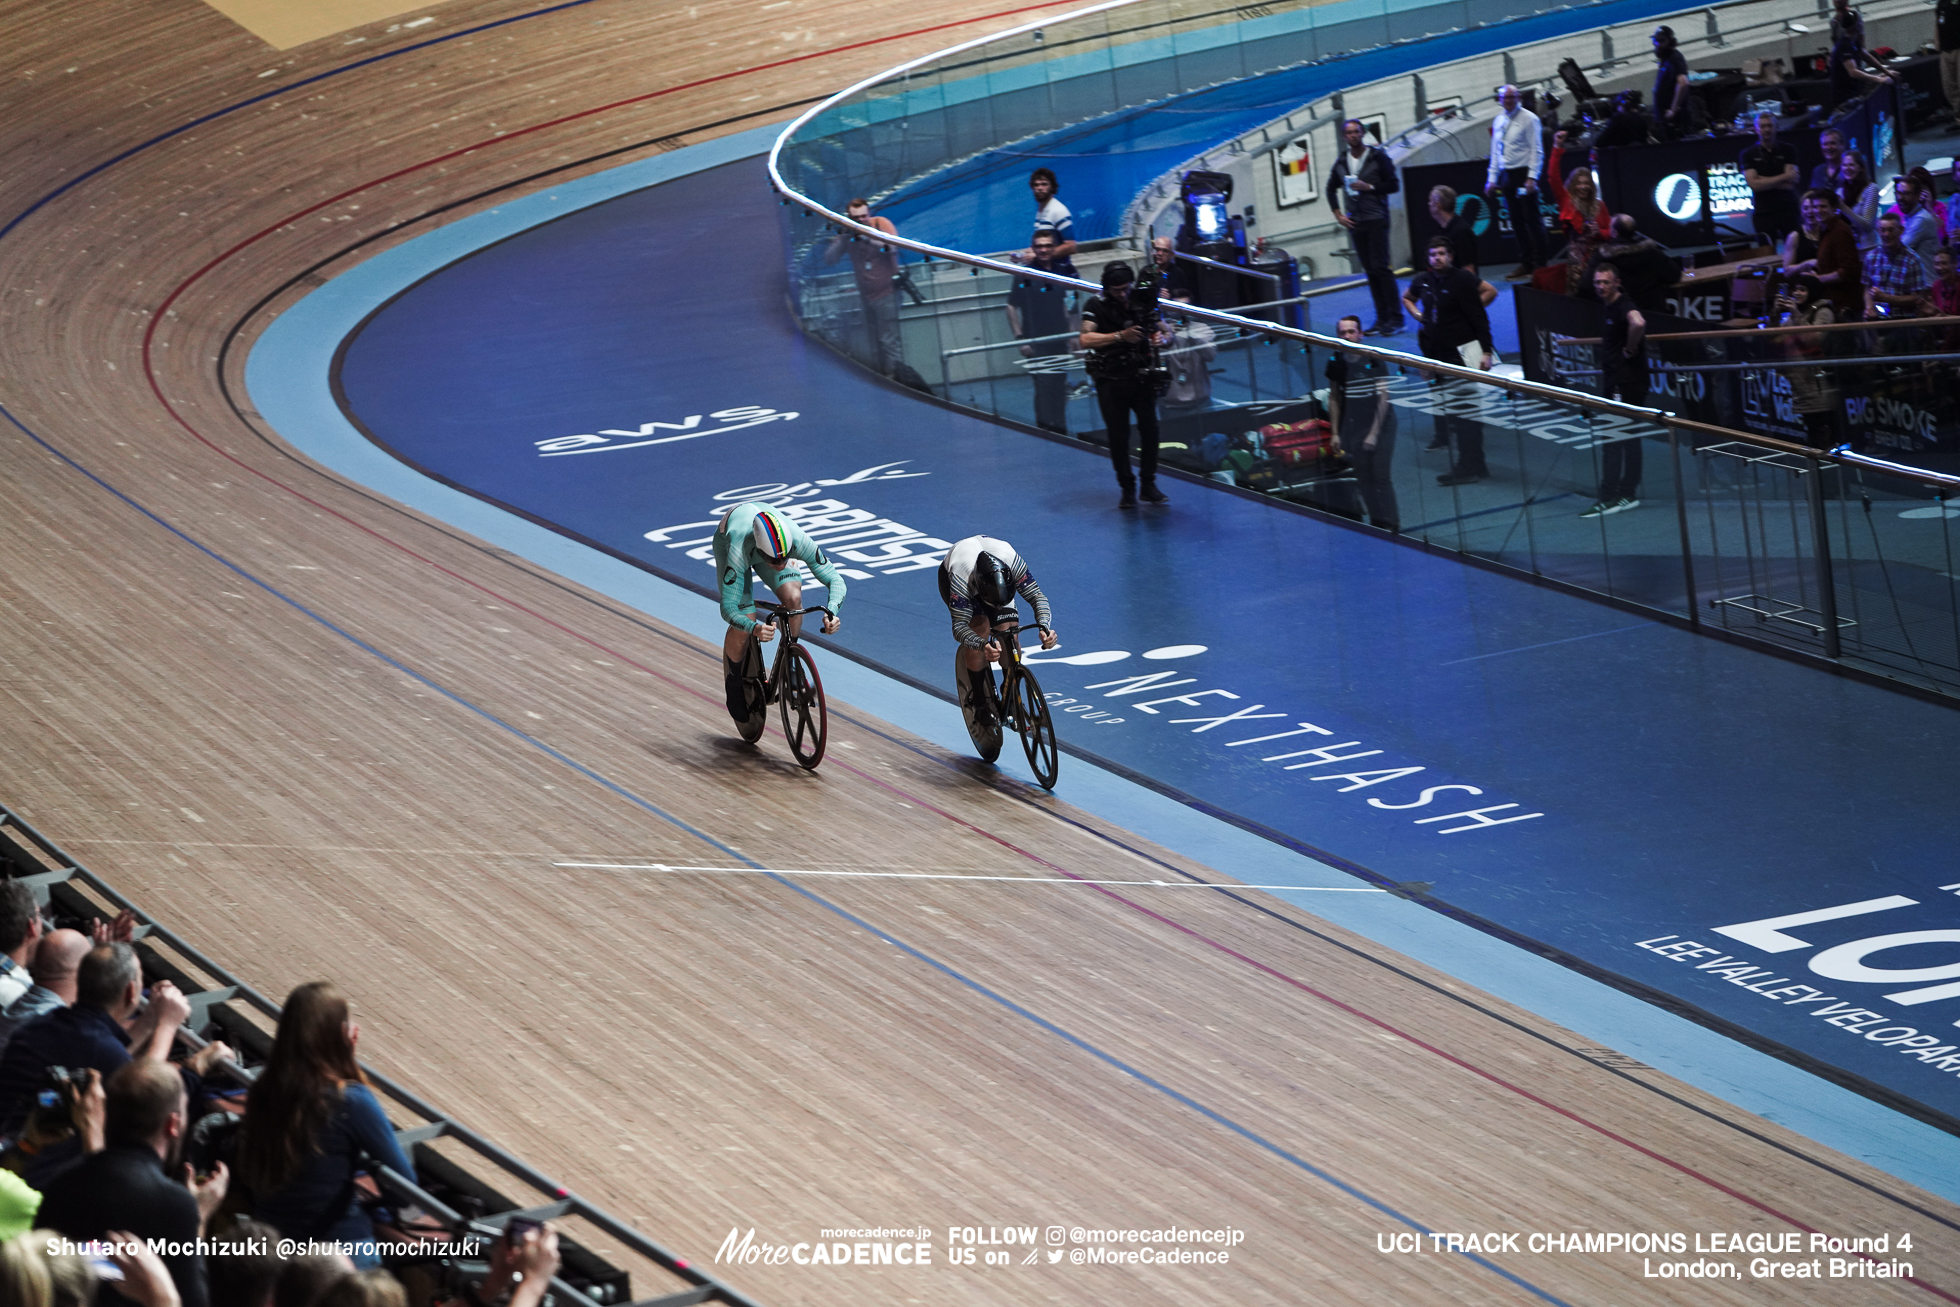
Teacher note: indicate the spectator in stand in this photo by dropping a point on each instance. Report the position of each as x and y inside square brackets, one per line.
[1647, 271]
[1050, 214]
[1770, 168]
[1946, 32]
[369, 1288]
[1517, 157]
[1672, 119]
[1922, 222]
[1851, 77]
[1857, 198]
[875, 265]
[57, 963]
[309, 1121]
[1953, 202]
[145, 1279]
[527, 1264]
[1364, 177]
[1189, 354]
[98, 1031]
[305, 1280]
[31, 1276]
[1824, 249]
[1581, 213]
[1037, 312]
[1824, 177]
[1623, 376]
[1448, 303]
[1895, 280]
[1364, 425]
[1178, 277]
[129, 1185]
[63, 1127]
[1457, 227]
[1943, 297]
[247, 1274]
[21, 932]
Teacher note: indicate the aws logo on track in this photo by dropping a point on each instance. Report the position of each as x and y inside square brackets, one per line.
[647, 433]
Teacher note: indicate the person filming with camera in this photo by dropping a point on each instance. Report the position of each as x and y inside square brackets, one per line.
[1122, 333]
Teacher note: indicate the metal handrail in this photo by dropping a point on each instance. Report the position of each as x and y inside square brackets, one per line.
[452, 1128]
[1762, 365]
[1232, 268]
[1875, 324]
[1518, 385]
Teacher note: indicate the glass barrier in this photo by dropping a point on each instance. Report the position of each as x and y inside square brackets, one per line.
[1767, 500]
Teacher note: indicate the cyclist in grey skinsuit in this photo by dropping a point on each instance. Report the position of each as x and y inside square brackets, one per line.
[978, 582]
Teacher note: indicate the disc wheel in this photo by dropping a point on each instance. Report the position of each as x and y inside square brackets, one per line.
[806, 721]
[986, 739]
[1037, 730]
[750, 728]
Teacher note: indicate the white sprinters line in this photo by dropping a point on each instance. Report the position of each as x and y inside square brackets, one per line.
[942, 875]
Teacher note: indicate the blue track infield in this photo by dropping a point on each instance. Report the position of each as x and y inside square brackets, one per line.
[1683, 784]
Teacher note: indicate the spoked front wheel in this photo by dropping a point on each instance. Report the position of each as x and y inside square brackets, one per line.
[1037, 729]
[986, 737]
[806, 721]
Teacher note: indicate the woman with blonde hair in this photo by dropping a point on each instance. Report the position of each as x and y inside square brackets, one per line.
[311, 1123]
[1581, 213]
[31, 1276]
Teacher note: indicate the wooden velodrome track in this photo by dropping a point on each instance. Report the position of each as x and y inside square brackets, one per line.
[697, 1053]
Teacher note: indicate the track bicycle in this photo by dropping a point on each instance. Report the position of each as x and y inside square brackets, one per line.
[792, 684]
[1018, 705]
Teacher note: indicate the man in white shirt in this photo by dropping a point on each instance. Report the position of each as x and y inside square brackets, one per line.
[1517, 156]
[1051, 215]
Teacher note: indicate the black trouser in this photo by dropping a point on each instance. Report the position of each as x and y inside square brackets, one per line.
[1464, 435]
[1619, 461]
[1050, 393]
[1118, 399]
[1526, 224]
[1371, 252]
[1373, 468]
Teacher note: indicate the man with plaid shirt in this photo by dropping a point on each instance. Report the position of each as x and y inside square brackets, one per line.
[1895, 280]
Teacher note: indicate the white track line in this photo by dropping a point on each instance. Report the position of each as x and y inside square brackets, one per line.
[936, 875]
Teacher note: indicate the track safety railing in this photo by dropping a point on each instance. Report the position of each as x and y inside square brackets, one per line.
[1584, 491]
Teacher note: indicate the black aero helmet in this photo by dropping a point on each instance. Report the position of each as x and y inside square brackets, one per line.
[990, 582]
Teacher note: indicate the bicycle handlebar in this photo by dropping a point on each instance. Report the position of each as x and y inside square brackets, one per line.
[781, 611]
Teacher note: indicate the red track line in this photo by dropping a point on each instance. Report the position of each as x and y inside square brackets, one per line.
[157, 317]
[1375, 1021]
[150, 373]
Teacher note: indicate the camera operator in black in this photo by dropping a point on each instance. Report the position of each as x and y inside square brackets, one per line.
[1121, 331]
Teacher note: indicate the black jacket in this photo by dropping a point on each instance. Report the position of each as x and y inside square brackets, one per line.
[1376, 170]
[124, 1188]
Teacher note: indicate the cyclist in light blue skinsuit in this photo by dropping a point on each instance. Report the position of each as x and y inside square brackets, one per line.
[756, 535]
